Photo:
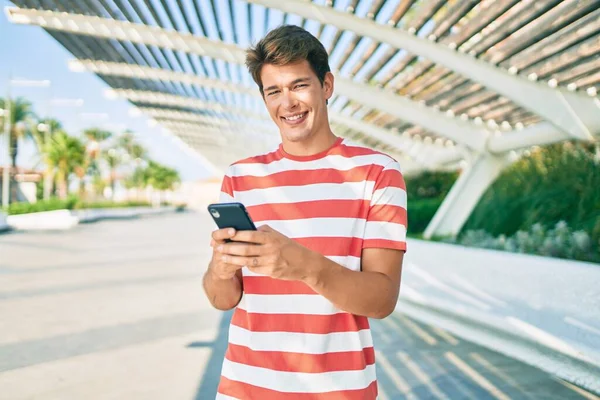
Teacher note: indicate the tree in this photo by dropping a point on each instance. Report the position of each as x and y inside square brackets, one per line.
[45, 128]
[94, 138]
[161, 177]
[65, 153]
[114, 159]
[21, 114]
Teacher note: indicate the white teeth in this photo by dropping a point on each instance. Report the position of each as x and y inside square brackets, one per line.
[295, 117]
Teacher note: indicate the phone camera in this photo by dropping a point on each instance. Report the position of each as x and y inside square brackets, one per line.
[215, 213]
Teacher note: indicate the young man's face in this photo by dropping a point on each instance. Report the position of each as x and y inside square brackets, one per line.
[296, 100]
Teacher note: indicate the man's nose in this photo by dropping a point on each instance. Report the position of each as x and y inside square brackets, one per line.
[288, 100]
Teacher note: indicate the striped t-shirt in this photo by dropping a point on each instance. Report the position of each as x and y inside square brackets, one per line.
[285, 340]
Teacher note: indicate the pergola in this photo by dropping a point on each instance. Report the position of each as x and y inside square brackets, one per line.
[436, 83]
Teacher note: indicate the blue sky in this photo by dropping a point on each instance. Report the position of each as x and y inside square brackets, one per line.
[28, 52]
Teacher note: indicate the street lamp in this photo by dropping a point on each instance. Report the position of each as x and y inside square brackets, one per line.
[5, 171]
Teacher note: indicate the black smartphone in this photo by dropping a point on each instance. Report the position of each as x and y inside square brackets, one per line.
[231, 215]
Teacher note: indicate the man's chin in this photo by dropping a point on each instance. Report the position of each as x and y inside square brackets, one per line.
[295, 138]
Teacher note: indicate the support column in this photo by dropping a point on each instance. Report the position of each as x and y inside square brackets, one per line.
[472, 183]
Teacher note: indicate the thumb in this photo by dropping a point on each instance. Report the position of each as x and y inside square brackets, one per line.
[265, 228]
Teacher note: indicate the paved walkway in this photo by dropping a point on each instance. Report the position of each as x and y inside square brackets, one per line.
[115, 310]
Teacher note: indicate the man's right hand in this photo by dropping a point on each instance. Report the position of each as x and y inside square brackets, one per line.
[219, 269]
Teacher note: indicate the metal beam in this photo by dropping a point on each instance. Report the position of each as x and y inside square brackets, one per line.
[185, 116]
[463, 132]
[126, 31]
[401, 107]
[159, 98]
[428, 155]
[135, 71]
[540, 134]
[165, 99]
[223, 126]
[574, 113]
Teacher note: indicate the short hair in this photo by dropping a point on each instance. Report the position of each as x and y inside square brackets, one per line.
[284, 45]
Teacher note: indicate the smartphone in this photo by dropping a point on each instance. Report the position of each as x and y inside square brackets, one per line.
[231, 215]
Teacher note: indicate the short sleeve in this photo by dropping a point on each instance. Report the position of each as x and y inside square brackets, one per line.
[226, 194]
[387, 217]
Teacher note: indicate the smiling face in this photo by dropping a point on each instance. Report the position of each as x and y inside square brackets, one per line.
[296, 100]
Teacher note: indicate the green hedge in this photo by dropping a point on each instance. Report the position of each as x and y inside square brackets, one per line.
[556, 183]
[420, 213]
[71, 203]
[112, 204]
[425, 193]
[42, 205]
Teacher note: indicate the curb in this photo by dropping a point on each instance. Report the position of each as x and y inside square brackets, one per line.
[574, 368]
[68, 219]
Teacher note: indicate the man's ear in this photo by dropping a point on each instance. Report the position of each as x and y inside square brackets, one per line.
[328, 85]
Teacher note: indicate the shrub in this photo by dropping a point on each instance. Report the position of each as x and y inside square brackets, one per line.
[559, 241]
[420, 213]
[556, 183]
[425, 193]
[71, 203]
[43, 205]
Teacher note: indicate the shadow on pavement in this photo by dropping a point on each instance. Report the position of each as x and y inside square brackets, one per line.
[418, 361]
[207, 390]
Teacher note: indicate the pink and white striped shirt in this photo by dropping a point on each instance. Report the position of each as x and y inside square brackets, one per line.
[285, 340]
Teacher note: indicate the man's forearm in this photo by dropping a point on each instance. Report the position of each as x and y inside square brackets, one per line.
[366, 293]
[222, 294]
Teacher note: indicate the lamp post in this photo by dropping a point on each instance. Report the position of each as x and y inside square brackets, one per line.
[6, 170]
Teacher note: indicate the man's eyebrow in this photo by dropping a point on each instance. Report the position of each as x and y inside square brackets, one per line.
[293, 83]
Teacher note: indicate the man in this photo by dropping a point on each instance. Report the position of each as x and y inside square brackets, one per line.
[331, 218]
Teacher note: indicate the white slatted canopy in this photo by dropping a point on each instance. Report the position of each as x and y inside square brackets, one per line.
[430, 79]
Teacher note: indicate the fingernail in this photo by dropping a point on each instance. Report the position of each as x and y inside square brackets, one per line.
[231, 232]
[220, 248]
[223, 258]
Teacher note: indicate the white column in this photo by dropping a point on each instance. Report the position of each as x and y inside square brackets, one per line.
[472, 183]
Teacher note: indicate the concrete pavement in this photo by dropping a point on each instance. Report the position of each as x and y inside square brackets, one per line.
[115, 310]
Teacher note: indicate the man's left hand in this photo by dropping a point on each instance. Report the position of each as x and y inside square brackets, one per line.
[268, 252]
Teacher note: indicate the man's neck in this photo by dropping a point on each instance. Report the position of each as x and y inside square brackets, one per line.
[314, 145]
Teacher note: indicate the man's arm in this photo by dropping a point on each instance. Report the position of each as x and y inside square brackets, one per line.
[372, 292]
[223, 294]
[222, 281]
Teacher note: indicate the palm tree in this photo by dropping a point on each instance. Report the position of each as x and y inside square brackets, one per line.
[114, 159]
[161, 177]
[126, 141]
[134, 150]
[94, 137]
[21, 113]
[50, 126]
[65, 153]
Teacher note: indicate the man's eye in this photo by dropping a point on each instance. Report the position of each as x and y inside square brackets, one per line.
[301, 85]
[272, 93]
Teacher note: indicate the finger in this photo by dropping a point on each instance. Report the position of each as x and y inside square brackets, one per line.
[242, 261]
[221, 234]
[221, 247]
[239, 249]
[257, 237]
[231, 267]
